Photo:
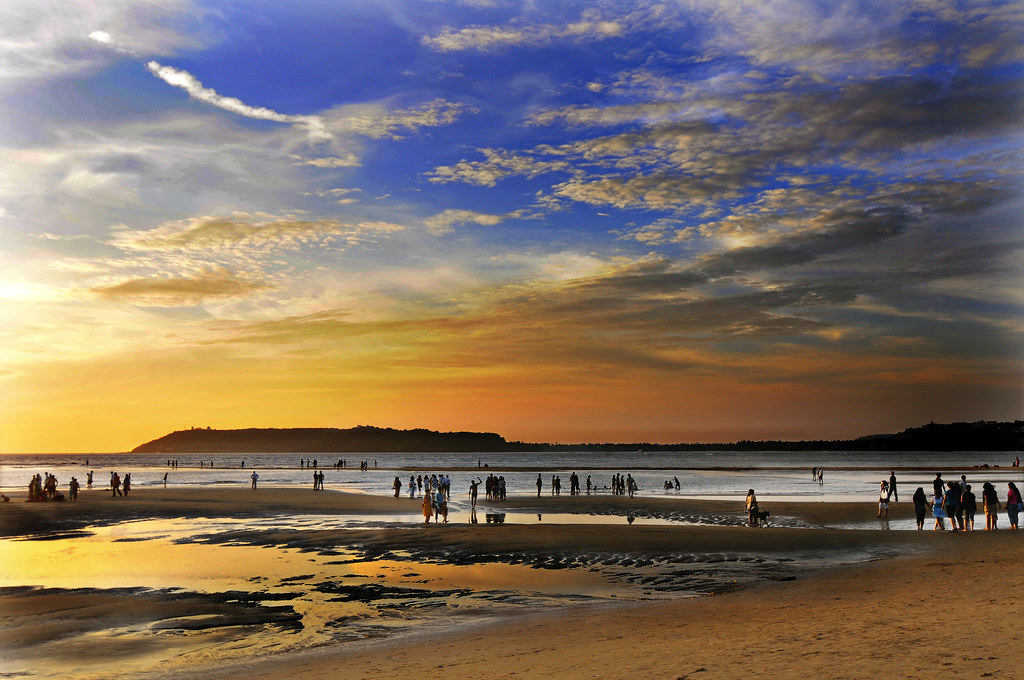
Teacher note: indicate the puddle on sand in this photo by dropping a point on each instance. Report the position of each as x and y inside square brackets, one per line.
[243, 601]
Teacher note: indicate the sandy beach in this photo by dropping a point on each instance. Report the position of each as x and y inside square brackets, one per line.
[925, 604]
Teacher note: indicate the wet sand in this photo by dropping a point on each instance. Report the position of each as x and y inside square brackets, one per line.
[938, 605]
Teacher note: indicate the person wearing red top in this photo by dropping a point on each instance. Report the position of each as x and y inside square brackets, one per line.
[1013, 504]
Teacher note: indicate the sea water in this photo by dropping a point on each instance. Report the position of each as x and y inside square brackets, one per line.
[848, 475]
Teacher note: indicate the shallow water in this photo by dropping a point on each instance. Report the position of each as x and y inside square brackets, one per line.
[254, 600]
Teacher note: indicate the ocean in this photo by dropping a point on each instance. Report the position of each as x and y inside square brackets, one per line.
[848, 475]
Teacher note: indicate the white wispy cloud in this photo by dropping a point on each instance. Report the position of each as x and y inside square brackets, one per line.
[195, 89]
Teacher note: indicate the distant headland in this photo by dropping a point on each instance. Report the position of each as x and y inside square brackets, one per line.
[976, 436]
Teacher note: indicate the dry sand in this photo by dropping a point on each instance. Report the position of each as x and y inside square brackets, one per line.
[945, 607]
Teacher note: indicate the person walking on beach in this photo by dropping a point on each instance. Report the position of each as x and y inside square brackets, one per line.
[991, 500]
[73, 489]
[254, 477]
[127, 484]
[920, 507]
[397, 486]
[893, 493]
[115, 484]
[751, 508]
[1013, 504]
[883, 499]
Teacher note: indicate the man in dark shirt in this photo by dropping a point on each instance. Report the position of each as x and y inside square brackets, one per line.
[892, 487]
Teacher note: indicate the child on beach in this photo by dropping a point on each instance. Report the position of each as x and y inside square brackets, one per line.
[938, 513]
[883, 499]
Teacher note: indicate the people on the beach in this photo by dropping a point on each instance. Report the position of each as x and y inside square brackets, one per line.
[951, 504]
[883, 499]
[73, 487]
[751, 508]
[428, 508]
[440, 507]
[920, 507]
[474, 486]
[254, 477]
[397, 486]
[1013, 504]
[969, 504]
[115, 485]
[126, 485]
[938, 512]
[893, 492]
[990, 499]
[938, 486]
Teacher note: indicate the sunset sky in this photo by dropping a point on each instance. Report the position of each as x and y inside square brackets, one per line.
[559, 221]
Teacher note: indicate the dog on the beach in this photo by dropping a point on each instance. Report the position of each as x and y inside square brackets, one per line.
[762, 518]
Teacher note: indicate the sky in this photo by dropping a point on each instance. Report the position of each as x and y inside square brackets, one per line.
[632, 221]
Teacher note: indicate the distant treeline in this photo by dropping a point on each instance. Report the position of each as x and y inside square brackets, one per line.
[977, 436]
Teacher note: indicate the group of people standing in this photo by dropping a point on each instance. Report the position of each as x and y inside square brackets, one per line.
[433, 483]
[435, 496]
[45, 489]
[957, 502]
